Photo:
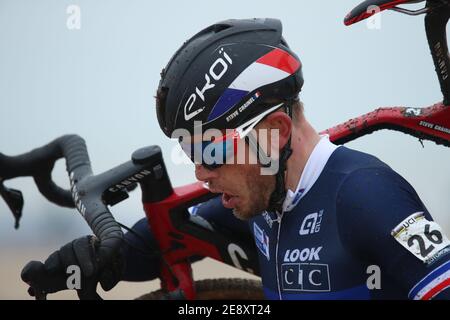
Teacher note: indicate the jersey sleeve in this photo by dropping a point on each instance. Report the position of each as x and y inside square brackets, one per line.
[382, 220]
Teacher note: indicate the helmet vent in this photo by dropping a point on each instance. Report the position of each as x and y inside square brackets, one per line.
[220, 27]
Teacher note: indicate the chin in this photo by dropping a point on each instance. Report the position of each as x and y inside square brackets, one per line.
[244, 215]
[248, 209]
[240, 215]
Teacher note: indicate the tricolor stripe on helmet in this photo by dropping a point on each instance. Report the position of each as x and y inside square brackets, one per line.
[272, 67]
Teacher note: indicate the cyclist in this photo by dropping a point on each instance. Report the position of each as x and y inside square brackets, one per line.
[328, 222]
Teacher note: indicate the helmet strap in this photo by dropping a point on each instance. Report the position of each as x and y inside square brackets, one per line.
[279, 193]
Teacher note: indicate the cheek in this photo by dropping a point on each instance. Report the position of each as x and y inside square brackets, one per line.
[241, 176]
[252, 176]
[231, 177]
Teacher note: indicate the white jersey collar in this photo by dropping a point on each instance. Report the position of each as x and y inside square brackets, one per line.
[313, 168]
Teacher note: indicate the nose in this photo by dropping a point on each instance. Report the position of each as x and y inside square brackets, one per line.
[203, 174]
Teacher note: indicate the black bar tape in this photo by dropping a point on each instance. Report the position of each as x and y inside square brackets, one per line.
[74, 150]
[38, 163]
[30, 163]
[103, 224]
[111, 238]
[54, 193]
[96, 214]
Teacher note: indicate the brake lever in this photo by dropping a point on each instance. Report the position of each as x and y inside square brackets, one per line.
[14, 200]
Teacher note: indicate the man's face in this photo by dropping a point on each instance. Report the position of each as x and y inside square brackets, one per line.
[243, 187]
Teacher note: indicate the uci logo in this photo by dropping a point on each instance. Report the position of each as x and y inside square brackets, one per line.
[311, 223]
[216, 72]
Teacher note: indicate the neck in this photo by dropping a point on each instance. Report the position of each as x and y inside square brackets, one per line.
[303, 140]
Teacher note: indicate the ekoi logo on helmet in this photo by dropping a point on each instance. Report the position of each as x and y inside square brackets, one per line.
[216, 72]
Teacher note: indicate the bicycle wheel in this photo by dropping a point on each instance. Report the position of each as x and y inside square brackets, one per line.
[220, 289]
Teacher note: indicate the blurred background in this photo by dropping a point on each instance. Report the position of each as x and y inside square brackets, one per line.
[99, 81]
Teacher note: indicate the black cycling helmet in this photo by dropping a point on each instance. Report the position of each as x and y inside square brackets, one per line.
[228, 74]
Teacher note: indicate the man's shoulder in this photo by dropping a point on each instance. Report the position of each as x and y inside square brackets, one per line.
[347, 161]
[362, 175]
[370, 186]
[355, 170]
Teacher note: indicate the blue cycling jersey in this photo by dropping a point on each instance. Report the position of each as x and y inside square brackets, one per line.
[344, 239]
[353, 229]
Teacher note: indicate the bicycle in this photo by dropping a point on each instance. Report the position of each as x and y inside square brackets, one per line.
[179, 237]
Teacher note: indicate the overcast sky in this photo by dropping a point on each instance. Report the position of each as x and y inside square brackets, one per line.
[99, 81]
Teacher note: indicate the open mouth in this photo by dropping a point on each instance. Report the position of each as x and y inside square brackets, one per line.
[229, 201]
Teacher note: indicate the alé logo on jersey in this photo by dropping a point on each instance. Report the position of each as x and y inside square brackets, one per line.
[215, 72]
[311, 223]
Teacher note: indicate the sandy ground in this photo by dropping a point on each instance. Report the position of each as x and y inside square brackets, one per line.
[12, 286]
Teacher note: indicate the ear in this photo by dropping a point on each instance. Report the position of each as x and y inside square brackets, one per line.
[281, 122]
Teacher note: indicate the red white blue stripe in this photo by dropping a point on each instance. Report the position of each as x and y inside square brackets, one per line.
[432, 284]
[272, 67]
